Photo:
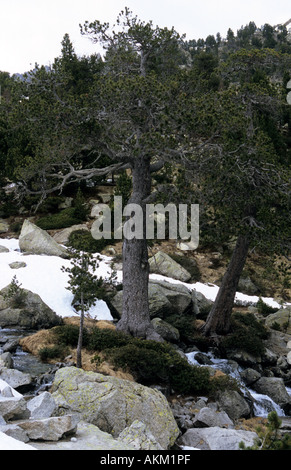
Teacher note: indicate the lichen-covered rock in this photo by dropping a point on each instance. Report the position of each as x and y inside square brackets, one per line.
[113, 404]
[139, 437]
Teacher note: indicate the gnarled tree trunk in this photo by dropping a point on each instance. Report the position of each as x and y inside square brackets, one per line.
[218, 320]
[135, 318]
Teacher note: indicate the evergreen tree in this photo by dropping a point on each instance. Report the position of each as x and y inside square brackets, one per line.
[85, 286]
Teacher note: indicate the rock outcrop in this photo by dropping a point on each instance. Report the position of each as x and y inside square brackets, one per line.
[114, 404]
[26, 309]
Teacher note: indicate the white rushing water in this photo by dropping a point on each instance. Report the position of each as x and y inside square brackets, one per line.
[263, 404]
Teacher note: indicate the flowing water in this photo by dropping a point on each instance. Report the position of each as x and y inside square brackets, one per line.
[23, 361]
[263, 404]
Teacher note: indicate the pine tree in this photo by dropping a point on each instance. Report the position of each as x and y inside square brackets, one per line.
[85, 286]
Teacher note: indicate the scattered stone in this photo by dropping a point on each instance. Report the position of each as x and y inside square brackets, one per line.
[165, 330]
[12, 408]
[282, 318]
[41, 406]
[208, 417]
[4, 226]
[15, 378]
[3, 249]
[17, 265]
[26, 310]
[275, 388]
[50, 429]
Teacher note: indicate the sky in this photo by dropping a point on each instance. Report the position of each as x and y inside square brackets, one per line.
[31, 31]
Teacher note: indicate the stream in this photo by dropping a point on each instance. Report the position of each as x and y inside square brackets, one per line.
[263, 404]
[23, 361]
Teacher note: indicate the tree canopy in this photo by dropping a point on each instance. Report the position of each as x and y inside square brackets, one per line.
[214, 110]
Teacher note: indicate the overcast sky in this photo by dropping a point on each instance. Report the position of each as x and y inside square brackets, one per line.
[31, 31]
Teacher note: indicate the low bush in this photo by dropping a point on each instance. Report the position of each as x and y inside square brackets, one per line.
[63, 219]
[265, 309]
[68, 335]
[247, 334]
[83, 240]
[151, 362]
[58, 351]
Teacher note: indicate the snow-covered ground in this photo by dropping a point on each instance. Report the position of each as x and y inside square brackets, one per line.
[43, 275]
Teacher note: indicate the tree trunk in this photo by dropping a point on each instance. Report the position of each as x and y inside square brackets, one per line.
[135, 318]
[218, 321]
[80, 339]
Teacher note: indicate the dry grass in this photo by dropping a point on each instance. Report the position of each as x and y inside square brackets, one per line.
[46, 338]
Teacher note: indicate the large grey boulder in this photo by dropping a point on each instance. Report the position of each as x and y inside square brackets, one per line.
[165, 299]
[165, 330]
[161, 263]
[234, 404]
[282, 318]
[275, 388]
[113, 404]
[33, 239]
[26, 309]
[15, 378]
[12, 407]
[216, 438]
[207, 417]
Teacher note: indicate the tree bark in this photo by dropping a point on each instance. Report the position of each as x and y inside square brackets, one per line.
[218, 320]
[135, 318]
[80, 338]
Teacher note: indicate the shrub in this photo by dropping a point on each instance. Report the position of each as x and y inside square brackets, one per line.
[83, 240]
[247, 334]
[52, 352]
[265, 309]
[101, 339]
[15, 294]
[68, 335]
[62, 219]
[151, 362]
